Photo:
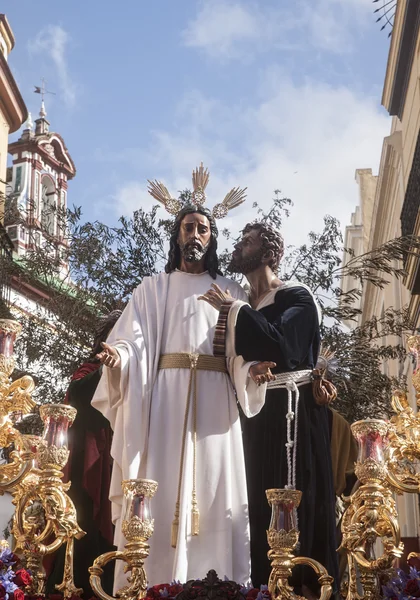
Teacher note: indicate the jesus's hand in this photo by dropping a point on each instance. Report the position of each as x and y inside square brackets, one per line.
[216, 297]
[261, 372]
[109, 357]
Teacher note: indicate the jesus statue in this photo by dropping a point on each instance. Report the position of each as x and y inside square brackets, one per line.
[173, 405]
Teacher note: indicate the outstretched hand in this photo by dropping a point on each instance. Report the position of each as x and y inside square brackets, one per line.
[216, 297]
[261, 372]
[109, 356]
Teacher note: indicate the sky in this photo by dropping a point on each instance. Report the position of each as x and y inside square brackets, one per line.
[269, 94]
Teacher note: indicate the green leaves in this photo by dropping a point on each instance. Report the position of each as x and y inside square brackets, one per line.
[105, 264]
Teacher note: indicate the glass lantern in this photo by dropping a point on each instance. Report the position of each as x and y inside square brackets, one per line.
[372, 437]
[284, 504]
[9, 331]
[57, 419]
[137, 512]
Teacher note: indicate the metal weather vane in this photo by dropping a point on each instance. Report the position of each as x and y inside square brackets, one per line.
[387, 15]
[42, 90]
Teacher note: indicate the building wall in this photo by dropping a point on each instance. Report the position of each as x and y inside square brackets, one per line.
[357, 233]
[401, 97]
[4, 140]
[5, 47]
[375, 221]
[13, 111]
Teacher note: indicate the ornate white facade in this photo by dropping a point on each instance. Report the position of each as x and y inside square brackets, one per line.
[42, 167]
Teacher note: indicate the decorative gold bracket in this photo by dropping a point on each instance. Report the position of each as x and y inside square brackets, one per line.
[283, 540]
[137, 528]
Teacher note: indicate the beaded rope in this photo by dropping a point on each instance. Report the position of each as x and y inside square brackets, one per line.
[291, 382]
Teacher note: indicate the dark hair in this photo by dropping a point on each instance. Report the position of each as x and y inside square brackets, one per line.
[102, 329]
[211, 261]
[271, 241]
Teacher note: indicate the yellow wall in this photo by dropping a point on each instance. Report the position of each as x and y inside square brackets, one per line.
[384, 223]
[4, 140]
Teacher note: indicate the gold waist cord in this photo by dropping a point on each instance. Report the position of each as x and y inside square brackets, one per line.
[193, 362]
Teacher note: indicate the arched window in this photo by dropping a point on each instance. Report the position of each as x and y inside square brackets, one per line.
[48, 206]
[36, 206]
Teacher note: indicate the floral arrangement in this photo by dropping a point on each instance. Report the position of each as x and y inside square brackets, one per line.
[404, 586]
[169, 591]
[56, 597]
[164, 590]
[13, 579]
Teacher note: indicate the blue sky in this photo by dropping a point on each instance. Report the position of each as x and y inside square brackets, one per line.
[269, 94]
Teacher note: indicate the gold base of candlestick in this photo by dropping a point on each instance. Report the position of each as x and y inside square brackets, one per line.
[45, 517]
[67, 586]
[33, 561]
[134, 554]
[42, 532]
[283, 544]
[371, 514]
[137, 529]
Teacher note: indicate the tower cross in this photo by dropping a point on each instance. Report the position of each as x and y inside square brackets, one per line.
[42, 90]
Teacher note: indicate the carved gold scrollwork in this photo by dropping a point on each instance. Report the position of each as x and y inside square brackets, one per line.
[137, 529]
[145, 487]
[287, 540]
[52, 457]
[7, 364]
[283, 544]
[58, 410]
[10, 326]
[45, 517]
[371, 514]
[369, 470]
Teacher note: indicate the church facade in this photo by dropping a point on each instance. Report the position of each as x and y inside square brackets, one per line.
[41, 169]
[13, 113]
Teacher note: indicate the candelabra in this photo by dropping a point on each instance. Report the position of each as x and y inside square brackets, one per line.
[404, 447]
[45, 517]
[137, 527]
[283, 537]
[14, 397]
[371, 514]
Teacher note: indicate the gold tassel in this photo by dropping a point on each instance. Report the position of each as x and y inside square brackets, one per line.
[175, 527]
[195, 517]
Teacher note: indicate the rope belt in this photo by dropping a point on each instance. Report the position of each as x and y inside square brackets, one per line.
[291, 382]
[193, 362]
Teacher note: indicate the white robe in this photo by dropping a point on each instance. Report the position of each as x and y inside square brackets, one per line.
[146, 410]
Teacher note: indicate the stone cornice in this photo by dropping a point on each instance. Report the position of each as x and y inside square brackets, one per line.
[34, 144]
[11, 102]
[4, 24]
[401, 53]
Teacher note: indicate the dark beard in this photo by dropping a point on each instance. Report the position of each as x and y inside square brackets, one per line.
[245, 265]
[193, 251]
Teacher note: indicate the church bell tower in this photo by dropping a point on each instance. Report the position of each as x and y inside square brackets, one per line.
[37, 188]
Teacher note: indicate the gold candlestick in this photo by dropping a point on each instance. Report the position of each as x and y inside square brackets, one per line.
[56, 516]
[371, 514]
[137, 527]
[283, 537]
[14, 397]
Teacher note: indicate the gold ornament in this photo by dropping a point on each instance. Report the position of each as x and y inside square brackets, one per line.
[283, 544]
[371, 513]
[137, 530]
[200, 180]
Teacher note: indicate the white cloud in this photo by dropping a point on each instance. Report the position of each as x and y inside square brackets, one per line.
[225, 29]
[332, 24]
[306, 140]
[219, 25]
[130, 197]
[238, 30]
[53, 41]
